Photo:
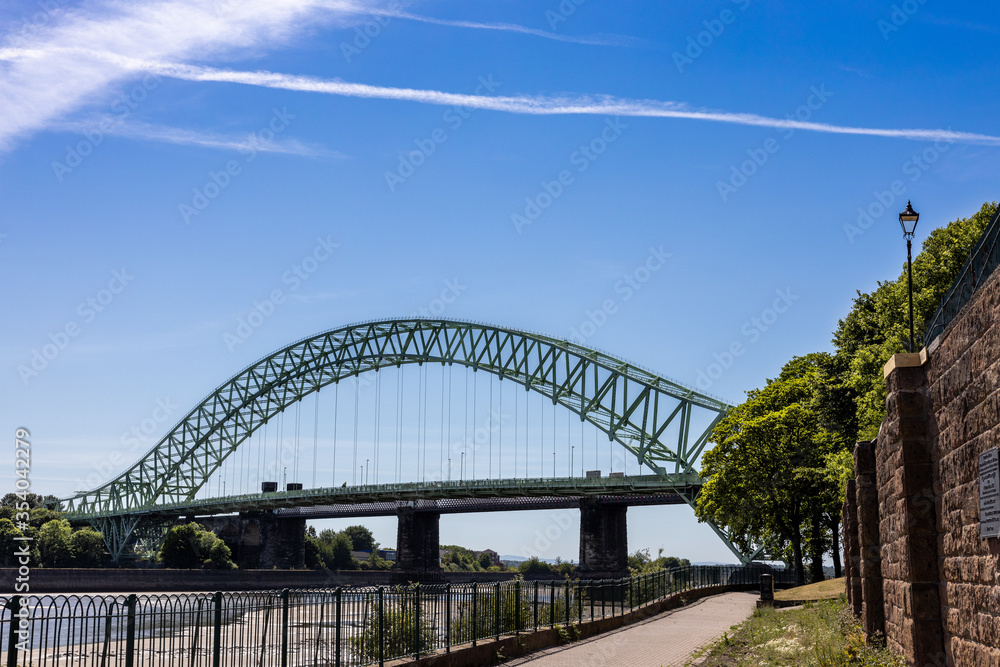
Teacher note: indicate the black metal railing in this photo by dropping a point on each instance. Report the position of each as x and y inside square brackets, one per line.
[339, 627]
[983, 259]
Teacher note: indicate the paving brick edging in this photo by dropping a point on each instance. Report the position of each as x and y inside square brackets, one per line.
[510, 646]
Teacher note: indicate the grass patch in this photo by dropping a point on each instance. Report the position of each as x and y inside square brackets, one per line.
[821, 634]
[828, 589]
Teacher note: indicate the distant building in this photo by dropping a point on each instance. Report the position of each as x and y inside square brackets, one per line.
[494, 556]
[365, 556]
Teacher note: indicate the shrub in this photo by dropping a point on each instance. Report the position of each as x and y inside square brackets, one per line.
[399, 629]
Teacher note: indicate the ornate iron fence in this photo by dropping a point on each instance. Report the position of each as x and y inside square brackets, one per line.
[339, 627]
[983, 259]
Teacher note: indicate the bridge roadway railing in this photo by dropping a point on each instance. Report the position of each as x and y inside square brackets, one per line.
[471, 505]
[340, 627]
[686, 484]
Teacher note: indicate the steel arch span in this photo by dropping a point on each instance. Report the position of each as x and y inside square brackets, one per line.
[632, 406]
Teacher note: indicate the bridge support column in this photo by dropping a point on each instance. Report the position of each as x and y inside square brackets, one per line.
[418, 546]
[603, 540]
[260, 541]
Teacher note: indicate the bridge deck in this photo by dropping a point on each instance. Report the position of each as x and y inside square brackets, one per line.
[492, 494]
[468, 505]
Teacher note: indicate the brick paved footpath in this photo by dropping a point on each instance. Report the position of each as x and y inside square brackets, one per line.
[666, 640]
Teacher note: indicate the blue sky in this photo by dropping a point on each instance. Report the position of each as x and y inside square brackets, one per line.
[173, 161]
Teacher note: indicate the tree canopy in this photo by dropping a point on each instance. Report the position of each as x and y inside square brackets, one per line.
[776, 477]
[189, 546]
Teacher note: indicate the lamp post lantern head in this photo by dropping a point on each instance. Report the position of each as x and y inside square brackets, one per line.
[908, 220]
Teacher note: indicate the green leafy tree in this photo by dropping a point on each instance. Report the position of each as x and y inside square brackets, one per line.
[484, 560]
[340, 553]
[361, 538]
[40, 516]
[220, 557]
[460, 559]
[8, 543]
[641, 562]
[376, 562]
[13, 500]
[877, 325]
[88, 547]
[316, 552]
[189, 546]
[55, 544]
[535, 566]
[566, 569]
[777, 475]
[761, 477]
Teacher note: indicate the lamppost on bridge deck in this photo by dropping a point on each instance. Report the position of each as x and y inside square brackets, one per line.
[572, 454]
[905, 219]
[461, 469]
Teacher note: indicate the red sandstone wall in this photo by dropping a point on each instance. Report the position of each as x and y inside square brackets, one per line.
[935, 580]
[963, 375]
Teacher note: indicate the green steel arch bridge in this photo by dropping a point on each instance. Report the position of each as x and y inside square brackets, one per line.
[656, 426]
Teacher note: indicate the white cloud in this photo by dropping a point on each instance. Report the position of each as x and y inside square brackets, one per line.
[604, 105]
[62, 68]
[180, 136]
[597, 40]
[56, 80]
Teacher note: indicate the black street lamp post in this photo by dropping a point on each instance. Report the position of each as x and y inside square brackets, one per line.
[905, 218]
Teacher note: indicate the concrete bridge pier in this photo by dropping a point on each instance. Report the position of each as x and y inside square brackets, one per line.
[603, 540]
[418, 545]
[260, 540]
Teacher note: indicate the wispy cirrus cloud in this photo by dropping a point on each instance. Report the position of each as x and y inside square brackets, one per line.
[64, 67]
[43, 79]
[518, 104]
[36, 91]
[594, 40]
[187, 137]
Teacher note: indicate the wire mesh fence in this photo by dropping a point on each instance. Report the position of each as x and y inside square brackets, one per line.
[339, 627]
[983, 259]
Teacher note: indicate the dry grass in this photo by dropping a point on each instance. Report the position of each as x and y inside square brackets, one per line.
[829, 589]
[821, 634]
